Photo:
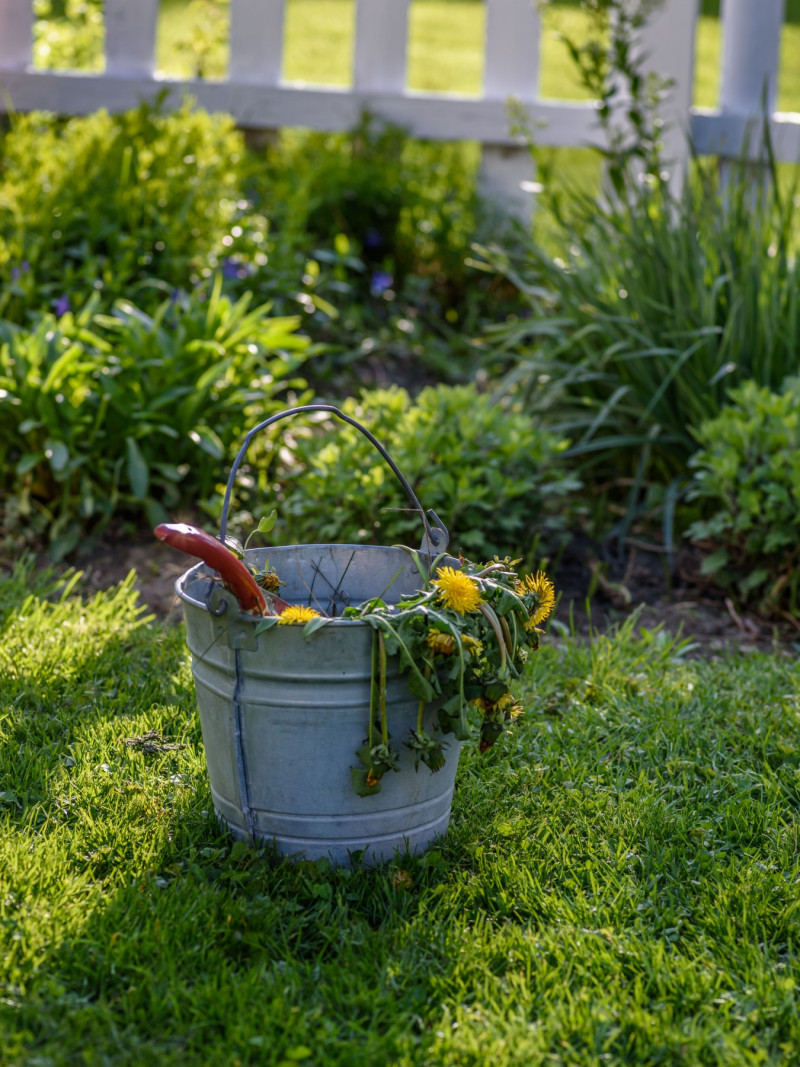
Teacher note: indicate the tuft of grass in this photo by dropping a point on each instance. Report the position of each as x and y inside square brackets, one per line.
[620, 881]
[659, 306]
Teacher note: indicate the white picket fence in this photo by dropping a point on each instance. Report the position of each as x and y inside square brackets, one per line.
[255, 94]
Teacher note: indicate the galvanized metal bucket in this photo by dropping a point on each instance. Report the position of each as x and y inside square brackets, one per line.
[282, 715]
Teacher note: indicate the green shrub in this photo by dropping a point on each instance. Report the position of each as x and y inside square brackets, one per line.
[492, 475]
[403, 205]
[112, 203]
[370, 232]
[747, 477]
[129, 417]
[366, 234]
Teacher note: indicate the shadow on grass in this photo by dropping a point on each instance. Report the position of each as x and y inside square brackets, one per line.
[136, 931]
[205, 950]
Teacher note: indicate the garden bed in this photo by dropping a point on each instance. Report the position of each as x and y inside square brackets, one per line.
[615, 587]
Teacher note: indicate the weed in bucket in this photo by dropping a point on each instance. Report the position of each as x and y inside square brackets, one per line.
[365, 644]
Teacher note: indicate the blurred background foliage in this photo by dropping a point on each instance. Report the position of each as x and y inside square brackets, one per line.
[164, 283]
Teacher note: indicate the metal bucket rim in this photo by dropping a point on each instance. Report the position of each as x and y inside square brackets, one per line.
[202, 569]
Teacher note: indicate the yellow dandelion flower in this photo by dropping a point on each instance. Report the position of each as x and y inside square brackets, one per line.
[440, 642]
[457, 590]
[542, 594]
[507, 704]
[297, 614]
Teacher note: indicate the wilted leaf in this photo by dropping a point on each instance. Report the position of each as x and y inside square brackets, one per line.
[359, 778]
[315, 624]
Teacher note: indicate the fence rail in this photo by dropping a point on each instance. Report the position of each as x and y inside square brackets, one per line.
[256, 96]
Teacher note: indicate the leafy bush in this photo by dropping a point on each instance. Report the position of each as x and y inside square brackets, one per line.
[747, 476]
[370, 233]
[112, 204]
[125, 416]
[403, 205]
[366, 234]
[493, 476]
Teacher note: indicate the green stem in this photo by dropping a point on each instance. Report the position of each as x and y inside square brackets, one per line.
[491, 569]
[510, 645]
[493, 621]
[462, 714]
[520, 604]
[421, 708]
[380, 622]
[373, 688]
[382, 661]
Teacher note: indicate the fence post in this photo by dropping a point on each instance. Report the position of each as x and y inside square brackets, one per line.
[131, 37]
[16, 34]
[668, 40]
[511, 69]
[751, 41]
[379, 62]
[256, 41]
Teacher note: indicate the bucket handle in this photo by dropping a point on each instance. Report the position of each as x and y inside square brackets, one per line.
[436, 534]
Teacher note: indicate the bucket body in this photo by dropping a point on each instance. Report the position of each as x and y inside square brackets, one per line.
[283, 715]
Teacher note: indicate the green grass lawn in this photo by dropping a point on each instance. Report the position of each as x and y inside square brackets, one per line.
[620, 883]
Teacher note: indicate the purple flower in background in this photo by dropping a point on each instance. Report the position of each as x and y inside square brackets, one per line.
[171, 318]
[373, 240]
[230, 268]
[234, 268]
[380, 282]
[62, 306]
[17, 272]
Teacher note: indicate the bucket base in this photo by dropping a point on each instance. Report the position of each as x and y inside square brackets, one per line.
[369, 852]
[376, 835]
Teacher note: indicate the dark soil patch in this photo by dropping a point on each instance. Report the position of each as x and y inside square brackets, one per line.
[157, 568]
[598, 586]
